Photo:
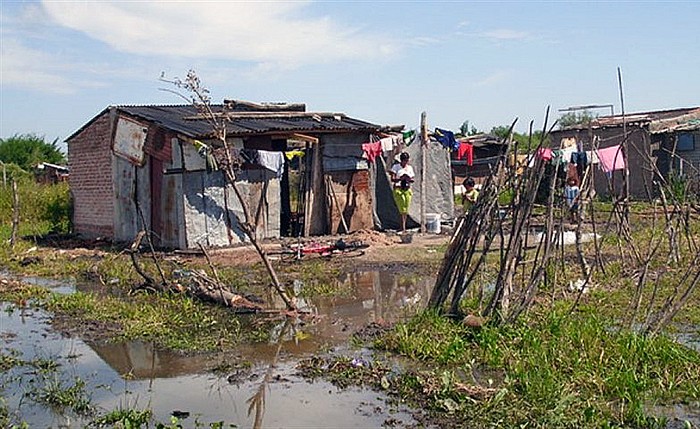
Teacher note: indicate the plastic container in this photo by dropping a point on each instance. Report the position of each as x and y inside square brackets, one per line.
[432, 223]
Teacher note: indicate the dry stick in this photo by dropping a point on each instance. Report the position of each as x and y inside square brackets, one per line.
[133, 250]
[500, 301]
[15, 214]
[337, 204]
[150, 242]
[456, 259]
[674, 303]
[596, 244]
[624, 148]
[219, 285]
[201, 102]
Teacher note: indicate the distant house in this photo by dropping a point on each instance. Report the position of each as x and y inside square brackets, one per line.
[487, 150]
[50, 173]
[660, 144]
[145, 167]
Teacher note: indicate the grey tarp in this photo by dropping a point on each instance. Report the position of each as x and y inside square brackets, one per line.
[438, 187]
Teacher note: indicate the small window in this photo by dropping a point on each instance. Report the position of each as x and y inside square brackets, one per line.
[686, 142]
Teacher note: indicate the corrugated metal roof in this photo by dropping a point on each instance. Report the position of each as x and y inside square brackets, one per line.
[642, 118]
[244, 120]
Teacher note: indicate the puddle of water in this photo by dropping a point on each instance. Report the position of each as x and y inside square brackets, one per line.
[136, 375]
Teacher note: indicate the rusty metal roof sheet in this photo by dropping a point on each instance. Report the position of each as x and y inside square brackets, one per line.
[245, 119]
[660, 121]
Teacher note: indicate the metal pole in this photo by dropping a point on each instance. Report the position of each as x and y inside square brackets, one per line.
[423, 147]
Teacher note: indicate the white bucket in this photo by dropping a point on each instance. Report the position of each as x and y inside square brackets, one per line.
[432, 223]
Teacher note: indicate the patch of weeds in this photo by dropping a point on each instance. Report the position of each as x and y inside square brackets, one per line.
[173, 321]
[343, 371]
[20, 293]
[6, 417]
[10, 360]
[124, 418]
[44, 366]
[559, 370]
[59, 396]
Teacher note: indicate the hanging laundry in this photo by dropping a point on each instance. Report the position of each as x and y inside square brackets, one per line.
[611, 158]
[572, 172]
[372, 150]
[466, 151]
[387, 144]
[408, 136]
[544, 153]
[291, 154]
[446, 138]
[273, 161]
[249, 155]
[566, 154]
[592, 156]
[580, 159]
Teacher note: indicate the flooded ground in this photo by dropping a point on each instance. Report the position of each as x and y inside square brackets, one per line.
[268, 393]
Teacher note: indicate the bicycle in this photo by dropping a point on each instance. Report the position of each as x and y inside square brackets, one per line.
[342, 248]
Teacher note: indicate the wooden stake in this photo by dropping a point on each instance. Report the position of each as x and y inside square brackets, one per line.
[15, 214]
[423, 154]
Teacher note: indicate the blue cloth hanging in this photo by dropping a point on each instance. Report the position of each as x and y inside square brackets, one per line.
[446, 138]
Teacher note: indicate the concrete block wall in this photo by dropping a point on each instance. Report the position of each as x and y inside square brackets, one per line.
[90, 163]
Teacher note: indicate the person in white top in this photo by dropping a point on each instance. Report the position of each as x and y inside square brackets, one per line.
[402, 175]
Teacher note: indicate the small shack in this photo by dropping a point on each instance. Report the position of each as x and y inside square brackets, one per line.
[660, 145]
[50, 173]
[139, 168]
[485, 152]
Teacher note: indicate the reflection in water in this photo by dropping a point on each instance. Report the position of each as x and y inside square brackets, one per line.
[137, 375]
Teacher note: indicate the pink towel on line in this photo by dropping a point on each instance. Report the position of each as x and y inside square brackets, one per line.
[611, 158]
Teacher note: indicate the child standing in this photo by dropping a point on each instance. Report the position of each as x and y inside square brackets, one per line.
[402, 175]
[571, 193]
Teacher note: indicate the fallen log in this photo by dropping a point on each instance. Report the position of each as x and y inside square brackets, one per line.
[192, 283]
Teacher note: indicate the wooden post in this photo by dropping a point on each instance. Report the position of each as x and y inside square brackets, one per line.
[423, 165]
[625, 150]
[15, 214]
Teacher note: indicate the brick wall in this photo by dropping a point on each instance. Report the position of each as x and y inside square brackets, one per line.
[90, 163]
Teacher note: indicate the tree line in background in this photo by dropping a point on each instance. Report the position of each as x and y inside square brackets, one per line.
[40, 208]
[21, 153]
[524, 140]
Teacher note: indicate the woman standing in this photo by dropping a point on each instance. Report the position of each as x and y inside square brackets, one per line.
[402, 175]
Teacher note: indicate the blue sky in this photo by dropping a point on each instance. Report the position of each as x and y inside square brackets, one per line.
[62, 62]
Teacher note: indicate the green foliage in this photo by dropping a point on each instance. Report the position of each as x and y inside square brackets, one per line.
[173, 321]
[28, 150]
[57, 395]
[575, 118]
[524, 141]
[43, 208]
[558, 370]
[124, 418]
[466, 130]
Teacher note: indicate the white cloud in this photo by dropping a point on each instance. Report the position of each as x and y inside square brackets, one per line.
[505, 34]
[493, 78]
[28, 68]
[259, 32]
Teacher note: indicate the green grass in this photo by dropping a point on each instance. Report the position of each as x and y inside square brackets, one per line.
[173, 321]
[559, 371]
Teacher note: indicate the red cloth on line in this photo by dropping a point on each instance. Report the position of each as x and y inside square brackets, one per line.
[372, 150]
[544, 153]
[466, 150]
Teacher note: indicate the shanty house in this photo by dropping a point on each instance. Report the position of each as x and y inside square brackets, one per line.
[487, 149]
[139, 168]
[660, 144]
